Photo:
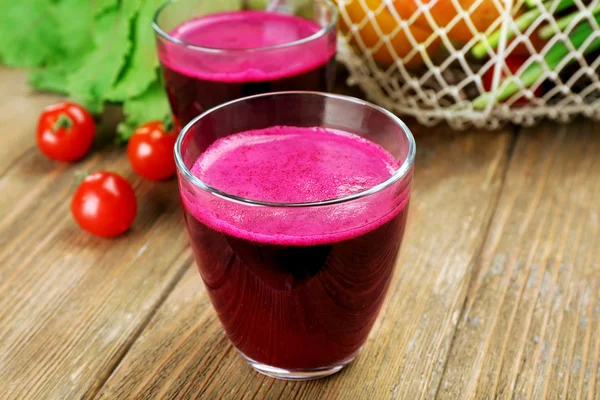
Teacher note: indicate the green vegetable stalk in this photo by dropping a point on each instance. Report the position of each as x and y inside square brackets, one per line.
[549, 30]
[480, 50]
[532, 3]
[535, 71]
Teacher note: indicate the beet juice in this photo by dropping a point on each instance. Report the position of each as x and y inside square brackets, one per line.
[296, 288]
[219, 57]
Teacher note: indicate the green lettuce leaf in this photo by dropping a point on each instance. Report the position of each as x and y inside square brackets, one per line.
[101, 68]
[52, 79]
[75, 40]
[140, 71]
[101, 6]
[150, 105]
[74, 21]
[28, 38]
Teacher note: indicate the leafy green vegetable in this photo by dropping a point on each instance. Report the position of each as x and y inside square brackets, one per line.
[28, 37]
[100, 70]
[101, 6]
[54, 78]
[73, 40]
[150, 105]
[74, 21]
[141, 68]
[94, 51]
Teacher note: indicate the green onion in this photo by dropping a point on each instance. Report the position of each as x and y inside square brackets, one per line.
[480, 50]
[547, 31]
[535, 71]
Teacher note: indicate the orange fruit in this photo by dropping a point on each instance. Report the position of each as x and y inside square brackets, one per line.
[388, 26]
[444, 13]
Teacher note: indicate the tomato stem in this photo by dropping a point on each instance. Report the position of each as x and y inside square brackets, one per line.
[63, 122]
[168, 124]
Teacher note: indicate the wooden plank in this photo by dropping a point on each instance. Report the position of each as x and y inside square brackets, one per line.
[19, 126]
[530, 327]
[183, 352]
[71, 304]
[18, 108]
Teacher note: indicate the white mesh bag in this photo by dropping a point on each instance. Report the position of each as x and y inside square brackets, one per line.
[474, 62]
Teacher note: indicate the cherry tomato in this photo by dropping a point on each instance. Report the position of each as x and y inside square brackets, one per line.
[65, 131]
[104, 204]
[150, 151]
[513, 63]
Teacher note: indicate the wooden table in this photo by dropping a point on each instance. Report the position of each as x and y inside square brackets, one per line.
[496, 291]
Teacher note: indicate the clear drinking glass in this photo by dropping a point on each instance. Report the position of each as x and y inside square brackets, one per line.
[212, 52]
[297, 307]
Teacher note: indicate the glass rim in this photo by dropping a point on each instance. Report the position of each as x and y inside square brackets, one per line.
[399, 174]
[317, 35]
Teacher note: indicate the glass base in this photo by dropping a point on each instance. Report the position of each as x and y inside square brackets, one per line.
[298, 374]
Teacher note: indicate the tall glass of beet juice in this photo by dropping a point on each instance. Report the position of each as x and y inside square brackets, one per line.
[295, 205]
[213, 52]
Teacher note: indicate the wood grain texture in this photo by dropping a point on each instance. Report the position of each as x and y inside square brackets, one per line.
[530, 327]
[183, 352]
[71, 304]
[496, 294]
[18, 123]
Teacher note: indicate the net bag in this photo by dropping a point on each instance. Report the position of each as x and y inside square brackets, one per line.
[476, 63]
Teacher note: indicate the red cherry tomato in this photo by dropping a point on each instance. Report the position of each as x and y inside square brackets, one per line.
[150, 151]
[513, 63]
[65, 131]
[104, 204]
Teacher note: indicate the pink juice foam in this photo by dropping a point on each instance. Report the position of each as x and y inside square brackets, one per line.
[242, 30]
[295, 165]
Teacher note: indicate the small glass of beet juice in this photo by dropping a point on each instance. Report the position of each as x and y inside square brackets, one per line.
[213, 52]
[295, 205]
